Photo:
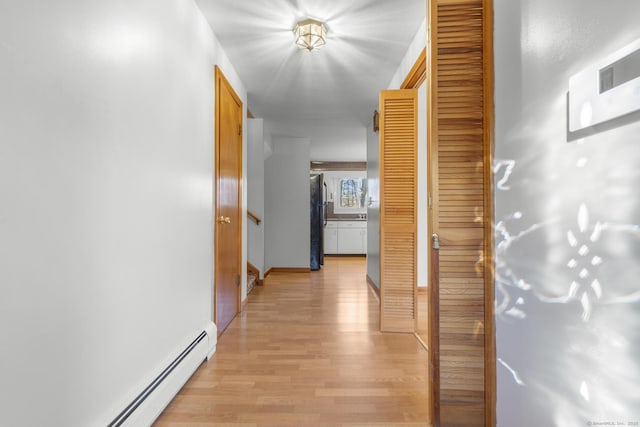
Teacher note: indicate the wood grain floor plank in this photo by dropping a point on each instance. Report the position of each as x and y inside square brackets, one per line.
[308, 352]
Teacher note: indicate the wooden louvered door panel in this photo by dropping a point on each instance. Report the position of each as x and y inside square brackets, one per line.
[398, 209]
[458, 152]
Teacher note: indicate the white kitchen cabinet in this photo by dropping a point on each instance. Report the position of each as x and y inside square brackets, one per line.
[331, 238]
[363, 232]
[349, 241]
[345, 237]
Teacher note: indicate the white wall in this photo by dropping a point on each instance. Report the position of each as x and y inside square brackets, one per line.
[567, 215]
[287, 197]
[423, 197]
[335, 141]
[106, 213]
[413, 52]
[373, 209]
[255, 191]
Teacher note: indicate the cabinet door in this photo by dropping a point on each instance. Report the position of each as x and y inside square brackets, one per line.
[350, 241]
[330, 240]
[364, 240]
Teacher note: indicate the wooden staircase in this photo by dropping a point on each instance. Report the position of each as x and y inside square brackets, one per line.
[253, 278]
[253, 274]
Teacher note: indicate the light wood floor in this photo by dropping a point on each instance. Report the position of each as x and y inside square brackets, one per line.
[422, 316]
[307, 352]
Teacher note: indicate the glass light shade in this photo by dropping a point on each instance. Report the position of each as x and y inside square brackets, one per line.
[310, 34]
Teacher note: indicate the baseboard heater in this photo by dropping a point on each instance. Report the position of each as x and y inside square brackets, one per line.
[150, 403]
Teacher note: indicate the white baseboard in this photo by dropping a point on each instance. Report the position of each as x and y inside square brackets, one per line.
[150, 403]
[212, 335]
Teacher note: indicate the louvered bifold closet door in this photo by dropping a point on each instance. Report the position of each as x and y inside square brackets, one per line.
[398, 209]
[457, 146]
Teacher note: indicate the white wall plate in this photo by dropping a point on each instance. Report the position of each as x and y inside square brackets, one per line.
[606, 90]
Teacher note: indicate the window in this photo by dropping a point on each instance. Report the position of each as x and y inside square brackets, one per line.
[353, 193]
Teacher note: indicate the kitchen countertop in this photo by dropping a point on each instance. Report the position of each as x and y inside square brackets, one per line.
[346, 219]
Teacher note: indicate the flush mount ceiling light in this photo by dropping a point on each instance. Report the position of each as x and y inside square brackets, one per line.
[310, 34]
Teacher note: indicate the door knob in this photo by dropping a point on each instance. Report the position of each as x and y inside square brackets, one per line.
[223, 220]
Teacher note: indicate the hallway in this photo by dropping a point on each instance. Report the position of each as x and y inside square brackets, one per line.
[307, 352]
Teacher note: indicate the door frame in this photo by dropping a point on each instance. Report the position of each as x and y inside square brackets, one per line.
[221, 81]
[414, 79]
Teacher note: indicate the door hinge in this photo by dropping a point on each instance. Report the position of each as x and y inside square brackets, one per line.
[237, 280]
[430, 202]
[239, 129]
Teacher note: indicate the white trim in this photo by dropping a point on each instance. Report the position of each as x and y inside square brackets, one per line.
[212, 335]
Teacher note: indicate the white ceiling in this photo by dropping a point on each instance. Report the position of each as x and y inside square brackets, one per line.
[327, 95]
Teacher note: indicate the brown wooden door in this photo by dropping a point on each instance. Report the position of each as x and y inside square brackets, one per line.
[228, 225]
[459, 129]
[398, 209]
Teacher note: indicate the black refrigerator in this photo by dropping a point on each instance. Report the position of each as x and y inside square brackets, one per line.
[317, 207]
